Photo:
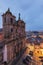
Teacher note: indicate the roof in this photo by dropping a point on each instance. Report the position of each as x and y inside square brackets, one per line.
[21, 21]
[8, 11]
[36, 40]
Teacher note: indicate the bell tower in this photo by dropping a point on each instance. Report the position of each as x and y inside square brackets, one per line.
[8, 21]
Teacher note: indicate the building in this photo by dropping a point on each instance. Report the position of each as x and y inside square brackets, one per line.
[13, 36]
[35, 44]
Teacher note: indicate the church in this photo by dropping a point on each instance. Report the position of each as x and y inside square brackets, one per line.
[13, 36]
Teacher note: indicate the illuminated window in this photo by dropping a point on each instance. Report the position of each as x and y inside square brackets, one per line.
[37, 51]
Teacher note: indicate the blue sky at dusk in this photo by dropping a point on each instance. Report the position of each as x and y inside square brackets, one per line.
[31, 12]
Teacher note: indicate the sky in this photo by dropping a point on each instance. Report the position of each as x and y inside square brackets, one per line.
[31, 12]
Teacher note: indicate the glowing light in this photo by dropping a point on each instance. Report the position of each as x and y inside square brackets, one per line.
[41, 51]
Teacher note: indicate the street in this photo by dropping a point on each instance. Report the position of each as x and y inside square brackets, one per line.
[21, 59]
[33, 62]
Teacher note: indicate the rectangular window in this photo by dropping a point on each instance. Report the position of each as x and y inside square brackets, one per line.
[11, 20]
[5, 19]
[11, 29]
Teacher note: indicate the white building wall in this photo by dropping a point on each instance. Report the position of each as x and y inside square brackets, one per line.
[5, 53]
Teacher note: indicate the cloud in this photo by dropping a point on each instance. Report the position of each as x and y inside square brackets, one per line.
[31, 12]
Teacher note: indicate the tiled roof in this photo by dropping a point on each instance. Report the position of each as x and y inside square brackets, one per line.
[36, 40]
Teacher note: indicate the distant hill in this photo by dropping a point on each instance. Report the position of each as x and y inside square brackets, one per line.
[35, 33]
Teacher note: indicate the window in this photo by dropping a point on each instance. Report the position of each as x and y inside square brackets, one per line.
[11, 20]
[37, 51]
[5, 19]
[11, 29]
[6, 36]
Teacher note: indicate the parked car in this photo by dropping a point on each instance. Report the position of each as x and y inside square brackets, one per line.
[27, 60]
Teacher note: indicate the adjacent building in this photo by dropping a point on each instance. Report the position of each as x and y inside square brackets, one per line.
[35, 45]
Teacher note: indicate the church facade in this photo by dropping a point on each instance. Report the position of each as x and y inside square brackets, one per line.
[13, 36]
